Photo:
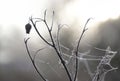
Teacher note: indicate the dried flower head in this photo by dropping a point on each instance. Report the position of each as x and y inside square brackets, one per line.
[28, 28]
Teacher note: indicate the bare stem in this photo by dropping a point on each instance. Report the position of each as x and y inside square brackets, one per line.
[58, 53]
[33, 61]
[63, 63]
[77, 48]
[53, 42]
[39, 33]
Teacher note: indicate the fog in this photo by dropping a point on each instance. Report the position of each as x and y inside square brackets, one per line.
[15, 64]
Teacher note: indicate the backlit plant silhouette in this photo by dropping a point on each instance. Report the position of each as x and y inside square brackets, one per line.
[75, 57]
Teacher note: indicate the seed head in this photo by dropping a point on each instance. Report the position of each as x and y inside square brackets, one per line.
[28, 28]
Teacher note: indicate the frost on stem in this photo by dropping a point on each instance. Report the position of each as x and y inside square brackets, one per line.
[70, 60]
[53, 42]
[33, 60]
[104, 66]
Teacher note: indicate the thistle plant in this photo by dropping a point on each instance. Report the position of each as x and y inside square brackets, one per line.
[75, 55]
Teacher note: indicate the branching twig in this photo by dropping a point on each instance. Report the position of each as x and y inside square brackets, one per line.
[33, 61]
[76, 51]
[75, 54]
[34, 25]
[53, 43]
[58, 33]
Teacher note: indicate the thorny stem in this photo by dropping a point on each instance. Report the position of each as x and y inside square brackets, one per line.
[77, 48]
[33, 61]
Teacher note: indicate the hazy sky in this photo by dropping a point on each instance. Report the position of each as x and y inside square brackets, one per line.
[17, 12]
[14, 14]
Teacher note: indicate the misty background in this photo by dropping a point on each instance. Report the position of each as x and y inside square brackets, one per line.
[15, 64]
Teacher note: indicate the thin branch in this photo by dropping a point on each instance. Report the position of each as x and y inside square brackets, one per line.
[37, 20]
[60, 57]
[58, 33]
[77, 48]
[49, 31]
[47, 26]
[62, 25]
[26, 40]
[33, 61]
[45, 14]
[52, 21]
[60, 52]
[63, 63]
[53, 44]
[39, 33]
[36, 53]
[55, 48]
[58, 40]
